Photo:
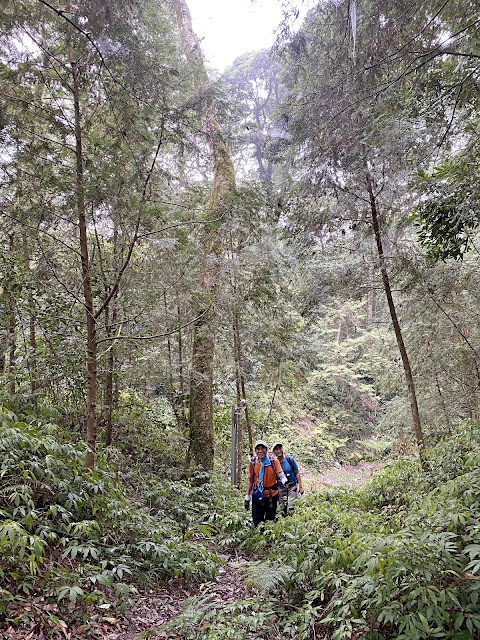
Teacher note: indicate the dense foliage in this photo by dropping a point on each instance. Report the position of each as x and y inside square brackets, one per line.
[397, 559]
[94, 537]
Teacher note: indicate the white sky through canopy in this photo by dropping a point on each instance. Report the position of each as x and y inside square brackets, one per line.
[229, 28]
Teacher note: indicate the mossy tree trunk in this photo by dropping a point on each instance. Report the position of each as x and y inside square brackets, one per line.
[183, 409]
[201, 447]
[32, 342]
[12, 333]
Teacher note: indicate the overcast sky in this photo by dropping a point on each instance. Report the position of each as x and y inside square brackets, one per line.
[232, 27]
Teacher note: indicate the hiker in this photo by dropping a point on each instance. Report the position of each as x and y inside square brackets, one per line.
[264, 474]
[288, 493]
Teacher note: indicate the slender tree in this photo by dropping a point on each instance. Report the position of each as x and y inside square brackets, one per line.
[412, 395]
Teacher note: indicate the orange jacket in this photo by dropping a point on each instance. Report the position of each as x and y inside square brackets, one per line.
[269, 474]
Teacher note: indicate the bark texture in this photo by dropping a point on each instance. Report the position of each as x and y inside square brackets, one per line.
[91, 408]
[183, 408]
[12, 335]
[32, 348]
[241, 377]
[110, 322]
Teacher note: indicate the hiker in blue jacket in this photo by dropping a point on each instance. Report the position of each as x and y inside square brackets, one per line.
[289, 493]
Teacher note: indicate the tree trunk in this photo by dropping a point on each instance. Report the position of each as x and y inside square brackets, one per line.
[110, 321]
[239, 375]
[238, 479]
[442, 400]
[32, 350]
[201, 449]
[110, 324]
[11, 352]
[417, 426]
[238, 341]
[371, 296]
[12, 335]
[181, 383]
[3, 353]
[338, 332]
[172, 393]
[91, 408]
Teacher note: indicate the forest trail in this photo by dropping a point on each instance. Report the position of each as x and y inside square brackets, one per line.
[349, 474]
[149, 612]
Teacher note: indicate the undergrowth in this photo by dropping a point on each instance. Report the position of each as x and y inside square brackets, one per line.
[84, 540]
[399, 558]
[396, 559]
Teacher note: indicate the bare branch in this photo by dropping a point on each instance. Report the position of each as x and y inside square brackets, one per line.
[159, 335]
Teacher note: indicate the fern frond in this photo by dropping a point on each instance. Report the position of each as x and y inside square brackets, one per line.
[264, 577]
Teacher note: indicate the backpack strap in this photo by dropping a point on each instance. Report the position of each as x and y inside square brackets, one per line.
[271, 457]
[290, 462]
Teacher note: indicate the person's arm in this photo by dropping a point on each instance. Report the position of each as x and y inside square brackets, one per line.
[299, 480]
[248, 495]
[279, 471]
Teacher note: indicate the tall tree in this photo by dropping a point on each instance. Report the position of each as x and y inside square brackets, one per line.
[347, 113]
[201, 448]
[97, 118]
[254, 85]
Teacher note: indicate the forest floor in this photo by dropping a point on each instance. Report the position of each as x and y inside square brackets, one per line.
[151, 611]
[349, 474]
[148, 611]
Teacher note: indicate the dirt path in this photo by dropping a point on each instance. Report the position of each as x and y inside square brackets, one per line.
[350, 474]
[150, 611]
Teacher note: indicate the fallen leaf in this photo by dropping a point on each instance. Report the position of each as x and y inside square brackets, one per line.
[82, 629]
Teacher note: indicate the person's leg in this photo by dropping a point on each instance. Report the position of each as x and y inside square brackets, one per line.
[282, 494]
[258, 510]
[292, 497]
[271, 510]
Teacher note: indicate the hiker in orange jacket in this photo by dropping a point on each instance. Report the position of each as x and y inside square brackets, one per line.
[264, 474]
